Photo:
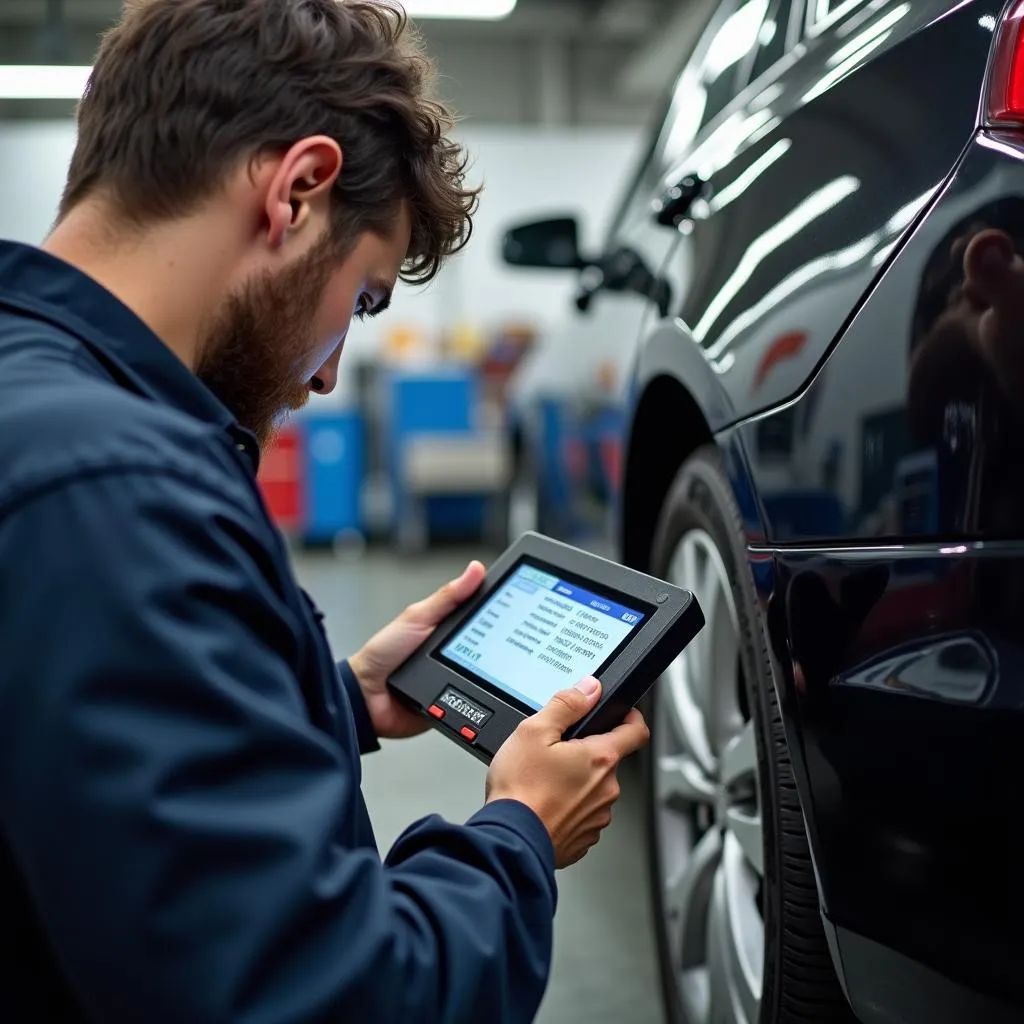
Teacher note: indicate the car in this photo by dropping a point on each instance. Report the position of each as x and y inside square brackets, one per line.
[564, 435]
[566, 409]
[826, 443]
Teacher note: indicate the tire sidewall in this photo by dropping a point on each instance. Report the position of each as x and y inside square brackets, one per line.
[702, 499]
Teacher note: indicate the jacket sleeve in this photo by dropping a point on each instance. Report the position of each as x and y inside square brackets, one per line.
[368, 742]
[181, 827]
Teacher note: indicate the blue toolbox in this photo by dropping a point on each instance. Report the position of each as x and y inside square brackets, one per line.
[333, 453]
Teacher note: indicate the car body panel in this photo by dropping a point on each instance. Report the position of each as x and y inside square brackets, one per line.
[864, 437]
[811, 189]
[893, 588]
[807, 285]
[901, 682]
[881, 487]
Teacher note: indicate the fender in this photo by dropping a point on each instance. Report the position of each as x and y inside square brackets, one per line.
[671, 351]
[676, 405]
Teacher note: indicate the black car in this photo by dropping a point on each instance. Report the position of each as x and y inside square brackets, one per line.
[826, 242]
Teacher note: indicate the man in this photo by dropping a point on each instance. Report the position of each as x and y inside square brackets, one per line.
[182, 837]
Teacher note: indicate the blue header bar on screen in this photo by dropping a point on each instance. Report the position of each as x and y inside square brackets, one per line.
[534, 579]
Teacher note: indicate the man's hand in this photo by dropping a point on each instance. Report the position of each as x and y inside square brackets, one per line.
[395, 643]
[571, 786]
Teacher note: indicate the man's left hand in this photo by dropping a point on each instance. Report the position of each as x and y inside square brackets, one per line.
[395, 643]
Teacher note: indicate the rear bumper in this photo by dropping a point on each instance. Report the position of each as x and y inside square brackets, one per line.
[886, 987]
[901, 680]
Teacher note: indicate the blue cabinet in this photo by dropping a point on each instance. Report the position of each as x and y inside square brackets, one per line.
[334, 456]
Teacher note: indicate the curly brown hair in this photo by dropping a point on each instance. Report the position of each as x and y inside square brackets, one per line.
[183, 91]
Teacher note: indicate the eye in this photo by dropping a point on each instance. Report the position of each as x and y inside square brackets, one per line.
[364, 307]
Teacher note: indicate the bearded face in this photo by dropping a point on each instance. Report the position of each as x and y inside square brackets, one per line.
[257, 354]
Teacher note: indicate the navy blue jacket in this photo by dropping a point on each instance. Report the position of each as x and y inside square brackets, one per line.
[182, 834]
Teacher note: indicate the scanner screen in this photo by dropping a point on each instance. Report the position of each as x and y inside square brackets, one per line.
[538, 634]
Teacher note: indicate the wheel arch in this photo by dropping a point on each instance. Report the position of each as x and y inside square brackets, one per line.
[667, 426]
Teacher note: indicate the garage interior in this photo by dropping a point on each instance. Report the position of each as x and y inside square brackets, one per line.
[559, 95]
[688, 335]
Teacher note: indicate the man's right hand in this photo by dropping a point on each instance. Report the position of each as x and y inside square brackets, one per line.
[571, 786]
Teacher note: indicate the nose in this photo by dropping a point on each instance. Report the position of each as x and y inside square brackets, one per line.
[325, 380]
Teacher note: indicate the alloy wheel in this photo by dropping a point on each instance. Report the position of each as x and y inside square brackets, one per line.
[707, 815]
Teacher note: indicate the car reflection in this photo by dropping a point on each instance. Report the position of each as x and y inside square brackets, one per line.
[960, 668]
[939, 448]
[967, 368]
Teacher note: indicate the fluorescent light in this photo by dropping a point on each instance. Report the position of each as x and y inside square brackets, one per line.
[481, 10]
[67, 82]
[42, 81]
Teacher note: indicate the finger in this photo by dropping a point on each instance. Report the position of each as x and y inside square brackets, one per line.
[567, 707]
[439, 605]
[631, 736]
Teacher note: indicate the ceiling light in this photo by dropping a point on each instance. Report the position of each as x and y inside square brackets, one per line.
[67, 82]
[484, 10]
[42, 81]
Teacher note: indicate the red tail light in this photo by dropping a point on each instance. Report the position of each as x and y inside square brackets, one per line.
[1006, 79]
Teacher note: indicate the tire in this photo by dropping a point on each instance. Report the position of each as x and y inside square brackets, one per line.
[798, 981]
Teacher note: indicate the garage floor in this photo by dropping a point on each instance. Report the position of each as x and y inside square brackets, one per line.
[604, 969]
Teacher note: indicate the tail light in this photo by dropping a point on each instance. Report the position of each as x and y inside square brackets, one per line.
[1006, 78]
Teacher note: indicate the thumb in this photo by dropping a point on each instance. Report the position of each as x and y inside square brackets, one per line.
[434, 609]
[569, 706]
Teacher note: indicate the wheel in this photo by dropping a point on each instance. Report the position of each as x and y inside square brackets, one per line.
[739, 932]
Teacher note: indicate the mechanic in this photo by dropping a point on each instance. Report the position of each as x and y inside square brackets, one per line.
[182, 834]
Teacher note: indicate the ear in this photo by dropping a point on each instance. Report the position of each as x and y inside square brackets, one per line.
[300, 184]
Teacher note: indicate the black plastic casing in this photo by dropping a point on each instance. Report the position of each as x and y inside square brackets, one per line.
[674, 618]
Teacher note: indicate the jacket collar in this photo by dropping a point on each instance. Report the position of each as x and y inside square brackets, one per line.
[40, 285]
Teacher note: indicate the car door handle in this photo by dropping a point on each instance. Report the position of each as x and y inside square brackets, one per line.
[675, 204]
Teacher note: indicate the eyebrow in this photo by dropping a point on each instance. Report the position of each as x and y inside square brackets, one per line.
[382, 306]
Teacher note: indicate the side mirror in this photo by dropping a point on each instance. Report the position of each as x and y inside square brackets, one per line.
[549, 244]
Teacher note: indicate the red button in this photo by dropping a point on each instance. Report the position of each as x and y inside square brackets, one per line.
[468, 734]
[435, 711]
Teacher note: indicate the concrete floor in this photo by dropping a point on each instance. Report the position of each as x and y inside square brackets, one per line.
[604, 969]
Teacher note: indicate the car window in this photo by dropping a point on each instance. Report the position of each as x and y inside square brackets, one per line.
[772, 38]
[711, 80]
[706, 85]
[680, 117]
[644, 176]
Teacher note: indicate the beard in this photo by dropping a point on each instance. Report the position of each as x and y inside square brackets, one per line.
[256, 354]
